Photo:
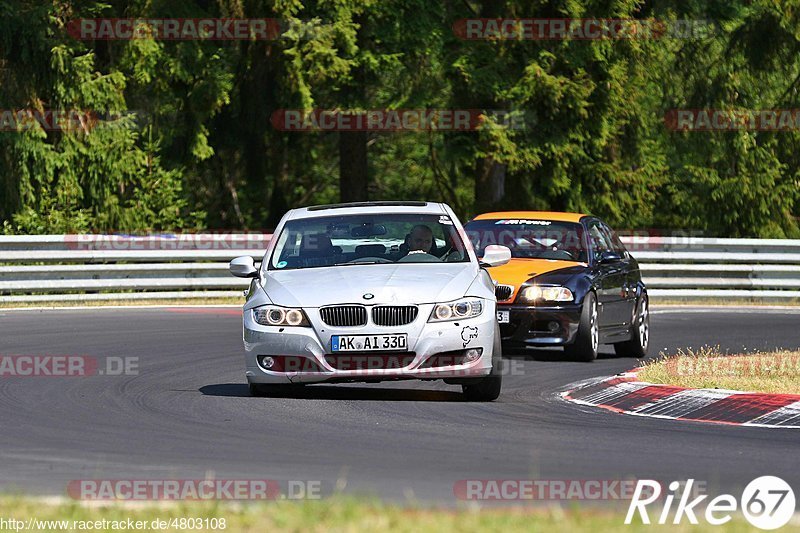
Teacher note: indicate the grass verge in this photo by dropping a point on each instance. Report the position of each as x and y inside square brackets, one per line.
[334, 514]
[708, 368]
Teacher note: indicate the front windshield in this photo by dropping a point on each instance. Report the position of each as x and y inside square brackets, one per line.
[367, 239]
[530, 239]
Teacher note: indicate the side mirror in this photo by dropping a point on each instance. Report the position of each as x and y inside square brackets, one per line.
[609, 257]
[495, 255]
[243, 267]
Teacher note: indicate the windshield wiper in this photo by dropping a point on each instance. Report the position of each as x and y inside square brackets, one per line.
[361, 263]
[545, 258]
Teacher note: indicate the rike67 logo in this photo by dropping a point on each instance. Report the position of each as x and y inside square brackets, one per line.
[767, 502]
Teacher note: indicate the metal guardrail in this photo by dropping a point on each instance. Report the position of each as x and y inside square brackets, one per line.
[691, 267]
[46, 268]
[66, 268]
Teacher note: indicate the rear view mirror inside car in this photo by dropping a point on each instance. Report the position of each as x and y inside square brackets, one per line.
[368, 230]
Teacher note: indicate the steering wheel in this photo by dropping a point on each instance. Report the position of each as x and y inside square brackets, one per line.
[452, 253]
[570, 254]
[418, 256]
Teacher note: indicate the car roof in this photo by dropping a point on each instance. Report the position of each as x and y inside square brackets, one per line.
[353, 208]
[554, 216]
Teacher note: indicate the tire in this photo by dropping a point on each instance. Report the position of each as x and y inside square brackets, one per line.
[488, 389]
[587, 339]
[640, 332]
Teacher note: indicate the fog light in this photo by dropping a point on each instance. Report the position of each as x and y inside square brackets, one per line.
[472, 355]
[553, 326]
[267, 362]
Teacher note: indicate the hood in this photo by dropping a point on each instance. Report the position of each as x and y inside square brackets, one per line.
[402, 284]
[518, 270]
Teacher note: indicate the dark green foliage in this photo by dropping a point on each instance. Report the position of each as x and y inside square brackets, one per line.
[186, 141]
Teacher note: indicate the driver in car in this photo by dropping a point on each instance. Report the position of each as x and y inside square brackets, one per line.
[420, 239]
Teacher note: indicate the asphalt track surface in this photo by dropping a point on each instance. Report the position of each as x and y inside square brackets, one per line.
[187, 414]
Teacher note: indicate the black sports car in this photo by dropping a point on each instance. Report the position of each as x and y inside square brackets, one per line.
[571, 282]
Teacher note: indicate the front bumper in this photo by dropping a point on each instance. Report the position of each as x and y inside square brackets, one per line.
[425, 340]
[539, 325]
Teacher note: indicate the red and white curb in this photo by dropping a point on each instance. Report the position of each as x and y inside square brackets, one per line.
[625, 394]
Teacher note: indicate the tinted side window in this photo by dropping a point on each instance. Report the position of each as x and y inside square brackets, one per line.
[598, 240]
[616, 243]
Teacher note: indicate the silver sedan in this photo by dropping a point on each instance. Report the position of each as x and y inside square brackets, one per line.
[372, 291]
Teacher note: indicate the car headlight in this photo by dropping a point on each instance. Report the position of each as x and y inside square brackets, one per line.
[457, 310]
[270, 315]
[537, 293]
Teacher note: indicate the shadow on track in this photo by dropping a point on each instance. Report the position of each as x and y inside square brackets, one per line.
[334, 392]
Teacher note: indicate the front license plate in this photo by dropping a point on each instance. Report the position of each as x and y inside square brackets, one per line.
[503, 316]
[369, 343]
